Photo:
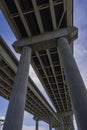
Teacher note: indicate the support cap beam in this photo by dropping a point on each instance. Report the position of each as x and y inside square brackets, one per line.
[47, 40]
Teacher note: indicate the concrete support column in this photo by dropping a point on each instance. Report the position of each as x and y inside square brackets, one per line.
[72, 123]
[36, 124]
[77, 88]
[50, 125]
[72, 126]
[0, 125]
[15, 112]
[62, 127]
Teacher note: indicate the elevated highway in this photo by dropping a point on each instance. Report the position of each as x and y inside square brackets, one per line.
[45, 35]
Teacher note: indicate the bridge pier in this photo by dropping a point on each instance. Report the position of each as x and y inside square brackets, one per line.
[50, 125]
[37, 124]
[15, 112]
[62, 126]
[0, 125]
[77, 88]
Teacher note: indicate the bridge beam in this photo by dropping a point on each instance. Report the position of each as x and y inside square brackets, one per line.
[62, 114]
[46, 40]
[77, 88]
[15, 112]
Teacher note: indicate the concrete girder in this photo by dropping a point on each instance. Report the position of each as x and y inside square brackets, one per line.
[38, 17]
[55, 77]
[39, 7]
[7, 14]
[22, 17]
[52, 11]
[47, 40]
[70, 113]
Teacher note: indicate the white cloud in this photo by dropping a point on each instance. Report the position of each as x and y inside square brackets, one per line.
[2, 117]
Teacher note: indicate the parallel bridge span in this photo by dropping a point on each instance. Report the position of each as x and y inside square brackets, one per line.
[45, 33]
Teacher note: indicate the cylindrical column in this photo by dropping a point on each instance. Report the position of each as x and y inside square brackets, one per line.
[72, 123]
[15, 112]
[50, 125]
[77, 88]
[62, 127]
[0, 125]
[36, 124]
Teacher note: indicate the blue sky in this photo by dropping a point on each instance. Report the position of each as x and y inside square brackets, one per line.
[80, 54]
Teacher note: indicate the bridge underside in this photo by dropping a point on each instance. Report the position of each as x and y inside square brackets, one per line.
[45, 34]
[36, 104]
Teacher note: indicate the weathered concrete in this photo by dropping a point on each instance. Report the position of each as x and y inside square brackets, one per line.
[47, 40]
[76, 85]
[15, 112]
[50, 125]
[0, 125]
[36, 124]
[62, 126]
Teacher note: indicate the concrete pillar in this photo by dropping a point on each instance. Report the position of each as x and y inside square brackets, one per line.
[15, 112]
[72, 123]
[62, 126]
[72, 126]
[50, 126]
[0, 125]
[36, 124]
[77, 88]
